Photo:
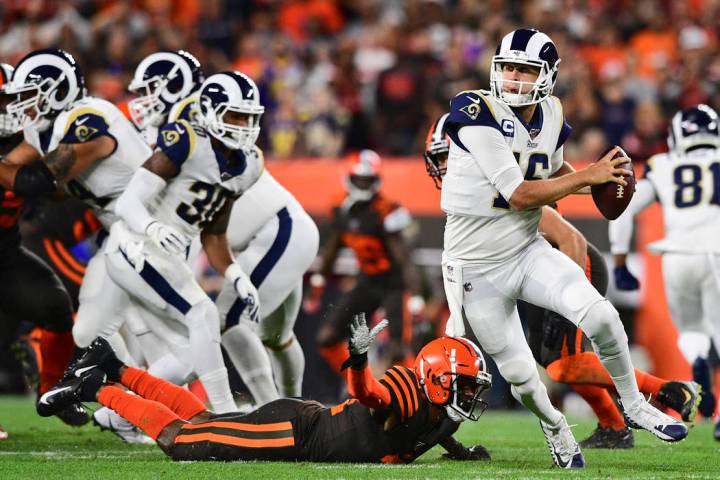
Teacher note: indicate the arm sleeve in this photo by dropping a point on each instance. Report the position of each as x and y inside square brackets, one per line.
[367, 389]
[620, 230]
[131, 205]
[488, 148]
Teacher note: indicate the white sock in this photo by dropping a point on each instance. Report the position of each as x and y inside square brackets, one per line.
[171, 369]
[533, 395]
[288, 364]
[251, 360]
[218, 390]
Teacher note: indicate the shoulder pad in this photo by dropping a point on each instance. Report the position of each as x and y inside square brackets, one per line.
[177, 141]
[405, 394]
[469, 108]
[84, 124]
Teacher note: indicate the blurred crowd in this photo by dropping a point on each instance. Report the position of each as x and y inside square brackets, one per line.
[339, 75]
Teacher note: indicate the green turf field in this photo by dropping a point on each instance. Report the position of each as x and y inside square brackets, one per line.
[47, 449]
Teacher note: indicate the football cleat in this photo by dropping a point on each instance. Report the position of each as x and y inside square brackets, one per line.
[564, 449]
[645, 416]
[717, 431]
[683, 397]
[609, 438]
[70, 392]
[106, 419]
[74, 415]
[3, 433]
[98, 355]
[701, 375]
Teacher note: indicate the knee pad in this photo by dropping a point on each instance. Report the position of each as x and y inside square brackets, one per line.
[517, 371]
[601, 323]
[204, 315]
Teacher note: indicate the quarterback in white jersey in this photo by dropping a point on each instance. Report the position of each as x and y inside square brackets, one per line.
[686, 183]
[275, 241]
[505, 162]
[88, 148]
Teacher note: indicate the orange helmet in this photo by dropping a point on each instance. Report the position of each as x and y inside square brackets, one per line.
[363, 178]
[436, 145]
[453, 373]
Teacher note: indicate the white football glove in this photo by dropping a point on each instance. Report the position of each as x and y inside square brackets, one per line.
[245, 290]
[167, 238]
[360, 336]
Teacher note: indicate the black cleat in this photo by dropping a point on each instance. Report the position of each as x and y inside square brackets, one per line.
[701, 375]
[98, 355]
[71, 392]
[683, 397]
[609, 438]
[74, 415]
[717, 431]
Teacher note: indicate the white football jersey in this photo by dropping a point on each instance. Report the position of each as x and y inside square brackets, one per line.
[258, 205]
[688, 188]
[481, 226]
[206, 178]
[102, 183]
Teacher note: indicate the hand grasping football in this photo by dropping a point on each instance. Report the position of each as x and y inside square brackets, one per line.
[612, 198]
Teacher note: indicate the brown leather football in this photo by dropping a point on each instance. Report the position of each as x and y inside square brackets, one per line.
[612, 198]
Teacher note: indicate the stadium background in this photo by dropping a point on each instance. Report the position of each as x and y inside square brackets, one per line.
[337, 76]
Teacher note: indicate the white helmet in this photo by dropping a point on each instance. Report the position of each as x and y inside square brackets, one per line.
[161, 80]
[362, 181]
[46, 81]
[696, 126]
[9, 124]
[231, 92]
[527, 47]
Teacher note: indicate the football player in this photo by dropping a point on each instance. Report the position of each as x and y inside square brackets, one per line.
[372, 226]
[46, 87]
[266, 224]
[393, 420]
[504, 163]
[559, 345]
[686, 182]
[185, 190]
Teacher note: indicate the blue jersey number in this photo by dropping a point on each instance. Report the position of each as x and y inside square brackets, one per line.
[689, 185]
[208, 200]
[531, 174]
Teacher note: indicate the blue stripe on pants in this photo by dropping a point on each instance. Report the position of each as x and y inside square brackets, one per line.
[265, 265]
[161, 286]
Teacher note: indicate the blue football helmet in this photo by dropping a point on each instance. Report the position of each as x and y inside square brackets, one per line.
[693, 127]
[45, 82]
[531, 47]
[231, 92]
[161, 80]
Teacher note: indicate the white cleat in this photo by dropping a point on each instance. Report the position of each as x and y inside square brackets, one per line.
[563, 447]
[107, 419]
[645, 416]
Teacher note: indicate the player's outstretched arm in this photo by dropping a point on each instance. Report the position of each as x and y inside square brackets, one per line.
[620, 233]
[362, 385]
[536, 193]
[28, 174]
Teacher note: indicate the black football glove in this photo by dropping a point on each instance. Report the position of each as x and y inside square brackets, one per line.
[476, 452]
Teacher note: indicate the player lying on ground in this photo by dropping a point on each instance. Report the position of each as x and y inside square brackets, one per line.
[393, 420]
[560, 346]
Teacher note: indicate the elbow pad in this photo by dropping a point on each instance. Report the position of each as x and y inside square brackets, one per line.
[34, 180]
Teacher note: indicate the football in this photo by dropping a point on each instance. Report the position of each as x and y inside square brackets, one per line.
[612, 198]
